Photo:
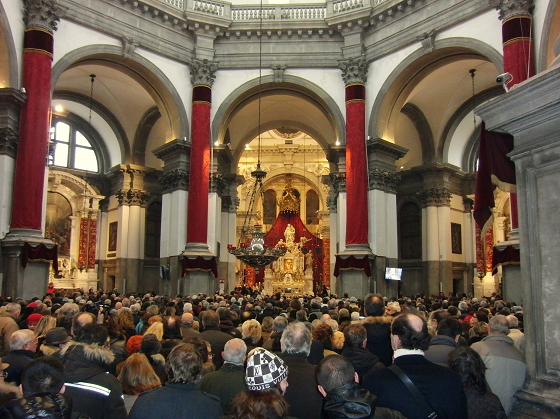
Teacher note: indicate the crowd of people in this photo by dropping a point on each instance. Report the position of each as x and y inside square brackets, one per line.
[246, 355]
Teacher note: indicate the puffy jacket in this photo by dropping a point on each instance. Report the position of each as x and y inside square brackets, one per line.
[351, 401]
[43, 405]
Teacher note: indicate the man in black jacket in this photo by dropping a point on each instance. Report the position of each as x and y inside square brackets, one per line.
[378, 328]
[86, 359]
[344, 397]
[355, 340]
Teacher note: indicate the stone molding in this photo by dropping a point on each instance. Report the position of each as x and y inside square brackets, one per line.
[8, 142]
[203, 72]
[132, 197]
[337, 183]
[383, 180]
[509, 8]
[354, 71]
[468, 204]
[174, 180]
[435, 197]
[218, 183]
[42, 14]
[230, 203]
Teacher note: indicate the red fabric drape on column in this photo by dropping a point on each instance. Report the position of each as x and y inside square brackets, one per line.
[197, 212]
[200, 264]
[356, 171]
[354, 263]
[27, 206]
[41, 253]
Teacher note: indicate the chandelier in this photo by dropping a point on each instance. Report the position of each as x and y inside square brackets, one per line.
[256, 253]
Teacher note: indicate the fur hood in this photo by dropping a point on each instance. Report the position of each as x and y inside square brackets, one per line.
[91, 352]
[158, 359]
[378, 319]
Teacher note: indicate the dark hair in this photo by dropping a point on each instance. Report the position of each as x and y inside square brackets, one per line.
[439, 315]
[210, 318]
[481, 316]
[93, 333]
[452, 310]
[374, 305]
[184, 364]
[354, 335]
[409, 337]
[324, 333]
[80, 320]
[43, 375]
[470, 366]
[262, 404]
[334, 371]
[199, 345]
[449, 326]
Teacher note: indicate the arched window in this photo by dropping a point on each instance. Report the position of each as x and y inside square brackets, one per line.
[410, 231]
[72, 148]
[269, 209]
[153, 230]
[311, 207]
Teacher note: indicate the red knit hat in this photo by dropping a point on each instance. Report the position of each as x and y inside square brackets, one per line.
[133, 344]
[34, 318]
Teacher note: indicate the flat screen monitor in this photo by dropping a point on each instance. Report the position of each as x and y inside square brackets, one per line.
[393, 274]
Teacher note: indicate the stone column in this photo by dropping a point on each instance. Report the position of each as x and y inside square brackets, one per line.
[382, 209]
[175, 185]
[436, 228]
[531, 113]
[469, 245]
[202, 78]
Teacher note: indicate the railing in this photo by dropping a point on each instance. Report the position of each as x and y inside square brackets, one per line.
[272, 12]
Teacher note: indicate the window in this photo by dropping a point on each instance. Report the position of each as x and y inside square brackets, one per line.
[269, 209]
[410, 231]
[153, 230]
[312, 206]
[72, 149]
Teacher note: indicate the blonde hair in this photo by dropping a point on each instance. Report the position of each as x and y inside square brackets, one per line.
[156, 329]
[252, 329]
[45, 324]
[137, 375]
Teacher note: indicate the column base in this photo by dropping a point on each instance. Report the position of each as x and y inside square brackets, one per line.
[197, 249]
[198, 281]
[540, 399]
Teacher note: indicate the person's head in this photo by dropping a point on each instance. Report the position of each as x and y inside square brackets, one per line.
[451, 327]
[374, 305]
[251, 329]
[324, 334]
[296, 339]
[200, 345]
[150, 344]
[279, 324]
[125, 320]
[23, 340]
[265, 370]
[355, 335]
[478, 316]
[56, 336]
[210, 318]
[43, 375]
[13, 309]
[137, 375]
[33, 320]
[93, 334]
[409, 331]
[513, 322]
[470, 366]
[267, 323]
[187, 318]
[393, 308]
[45, 324]
[334, 371]
[156, 329]
[184, 364]
[498, 325]
[80, 320]
[234, 351]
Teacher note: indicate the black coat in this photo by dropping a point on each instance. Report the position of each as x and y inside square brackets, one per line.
[17, 360]
[43, 405]
[217, 339]
[379, 337]
[441, 387]
[362, 360]
[176, 401]
[302, 394]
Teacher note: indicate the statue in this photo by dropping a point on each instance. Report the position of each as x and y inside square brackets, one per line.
[290, 234]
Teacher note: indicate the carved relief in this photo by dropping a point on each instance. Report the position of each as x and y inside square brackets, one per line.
[435, 197]
[383, 180]
[132, 197]
[8, 142]
[509, 8]
[337, 181]
[42, 14]
[218, 183]
[354, 71]
[203, 72]
[174, 180]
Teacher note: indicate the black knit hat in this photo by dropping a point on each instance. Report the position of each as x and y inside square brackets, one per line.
[150, 344]
[264, 370]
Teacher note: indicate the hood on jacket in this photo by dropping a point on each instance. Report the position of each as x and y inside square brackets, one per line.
[83, 361]
[350, 401]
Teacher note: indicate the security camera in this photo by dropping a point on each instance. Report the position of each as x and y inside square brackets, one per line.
[504, 78]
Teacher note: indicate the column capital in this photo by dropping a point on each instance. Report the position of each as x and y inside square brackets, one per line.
[42, 14]
[383, 180]
[509, 8]
[468, 204]
[203, 72]
[174, 180]
[354, 71]
[337, 183]
[435, 197]
[132, 197]
[8, 142]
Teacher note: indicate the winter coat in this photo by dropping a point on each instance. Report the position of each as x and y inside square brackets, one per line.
[42, 405]
[17, 360]
[8, 326]
[362, 360]
[440, 348]
[379, 337]
[87, 380]
[351, 401]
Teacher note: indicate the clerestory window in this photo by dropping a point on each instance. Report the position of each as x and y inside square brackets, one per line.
[71, 148]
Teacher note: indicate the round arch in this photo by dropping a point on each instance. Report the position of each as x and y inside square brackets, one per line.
[408, 73]
[290, 85]
[11, 59]
[549, 38]
[143, 71]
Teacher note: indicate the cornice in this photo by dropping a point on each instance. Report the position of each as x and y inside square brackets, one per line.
[172, 149]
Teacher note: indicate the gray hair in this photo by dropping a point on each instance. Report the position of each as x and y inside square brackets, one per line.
[13, 308]
[234, 351]
[279, 323]
[512, 321]
[296, 339]
[499, 324]
[20, 338]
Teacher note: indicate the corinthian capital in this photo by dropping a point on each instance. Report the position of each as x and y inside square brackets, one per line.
[354, 70]
[435, 197]
[203, 72]
[132, 197]
[42, 14]
[509, 8]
